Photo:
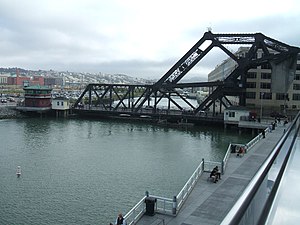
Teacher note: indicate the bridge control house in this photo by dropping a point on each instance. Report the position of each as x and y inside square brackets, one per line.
[37, 99]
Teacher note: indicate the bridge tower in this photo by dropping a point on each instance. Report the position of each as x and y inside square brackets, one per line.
[280, 56]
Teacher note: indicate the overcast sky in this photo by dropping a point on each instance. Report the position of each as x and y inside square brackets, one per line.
[139, 38]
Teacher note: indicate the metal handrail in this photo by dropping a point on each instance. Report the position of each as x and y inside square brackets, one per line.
[251, 143]
[240, 208]
[174, 204]
[189, 185]
[210, 165]
[226, 158]
[177, 202]
[136, 212]
[162, 204]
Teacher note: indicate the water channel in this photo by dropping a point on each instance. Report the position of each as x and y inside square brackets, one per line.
[86, 171]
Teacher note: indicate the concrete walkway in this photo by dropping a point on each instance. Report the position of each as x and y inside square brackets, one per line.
[210, 202]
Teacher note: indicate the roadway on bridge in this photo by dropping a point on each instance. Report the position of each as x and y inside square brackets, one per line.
[210, 202]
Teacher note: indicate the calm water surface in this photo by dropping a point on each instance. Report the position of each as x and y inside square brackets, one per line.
[86, 171]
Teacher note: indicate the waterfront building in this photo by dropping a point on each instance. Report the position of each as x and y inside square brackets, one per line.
[36, 99]
[61, 105]
[235, 114]
[259, 94]
[37, 96]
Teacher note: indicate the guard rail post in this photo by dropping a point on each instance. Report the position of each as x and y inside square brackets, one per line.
[174, 208]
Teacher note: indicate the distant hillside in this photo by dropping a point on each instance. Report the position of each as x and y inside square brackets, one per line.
[12, 70]
[80, 77]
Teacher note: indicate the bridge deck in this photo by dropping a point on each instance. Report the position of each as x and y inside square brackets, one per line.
[210, 202]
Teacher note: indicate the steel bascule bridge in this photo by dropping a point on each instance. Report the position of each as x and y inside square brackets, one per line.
[134, 100]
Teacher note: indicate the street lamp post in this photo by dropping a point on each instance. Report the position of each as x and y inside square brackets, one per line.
[286, 98]
[261, 97]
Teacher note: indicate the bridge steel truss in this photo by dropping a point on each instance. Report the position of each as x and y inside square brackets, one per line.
[135, 98]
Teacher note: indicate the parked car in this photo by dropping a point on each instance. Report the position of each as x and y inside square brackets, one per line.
[10, 99]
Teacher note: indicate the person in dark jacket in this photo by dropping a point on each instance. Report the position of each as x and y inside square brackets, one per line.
[217, 172]
[120, 220]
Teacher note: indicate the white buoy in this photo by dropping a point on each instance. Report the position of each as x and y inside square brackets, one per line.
[18, 171]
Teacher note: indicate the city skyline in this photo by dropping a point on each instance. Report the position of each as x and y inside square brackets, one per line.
[138, 38]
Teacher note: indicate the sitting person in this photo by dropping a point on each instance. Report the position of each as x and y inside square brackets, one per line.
[241, 151]
[213, 175]
[217, 172]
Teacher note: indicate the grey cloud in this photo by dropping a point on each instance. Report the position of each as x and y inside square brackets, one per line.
[34, 37]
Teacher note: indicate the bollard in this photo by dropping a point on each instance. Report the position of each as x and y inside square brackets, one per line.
[174, 205]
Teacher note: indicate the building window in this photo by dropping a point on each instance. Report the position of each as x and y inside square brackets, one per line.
[296, 97]
[265, 85]
[250, 85]
[297, 77]
[296, 87]
[57, 103]
[294, 107]
[62, 103]
[298, 67]
[265, 76]
[231, 114]
[280, 96]
[266, 66]
[251, 75]
[267, 96]
[250, 95]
